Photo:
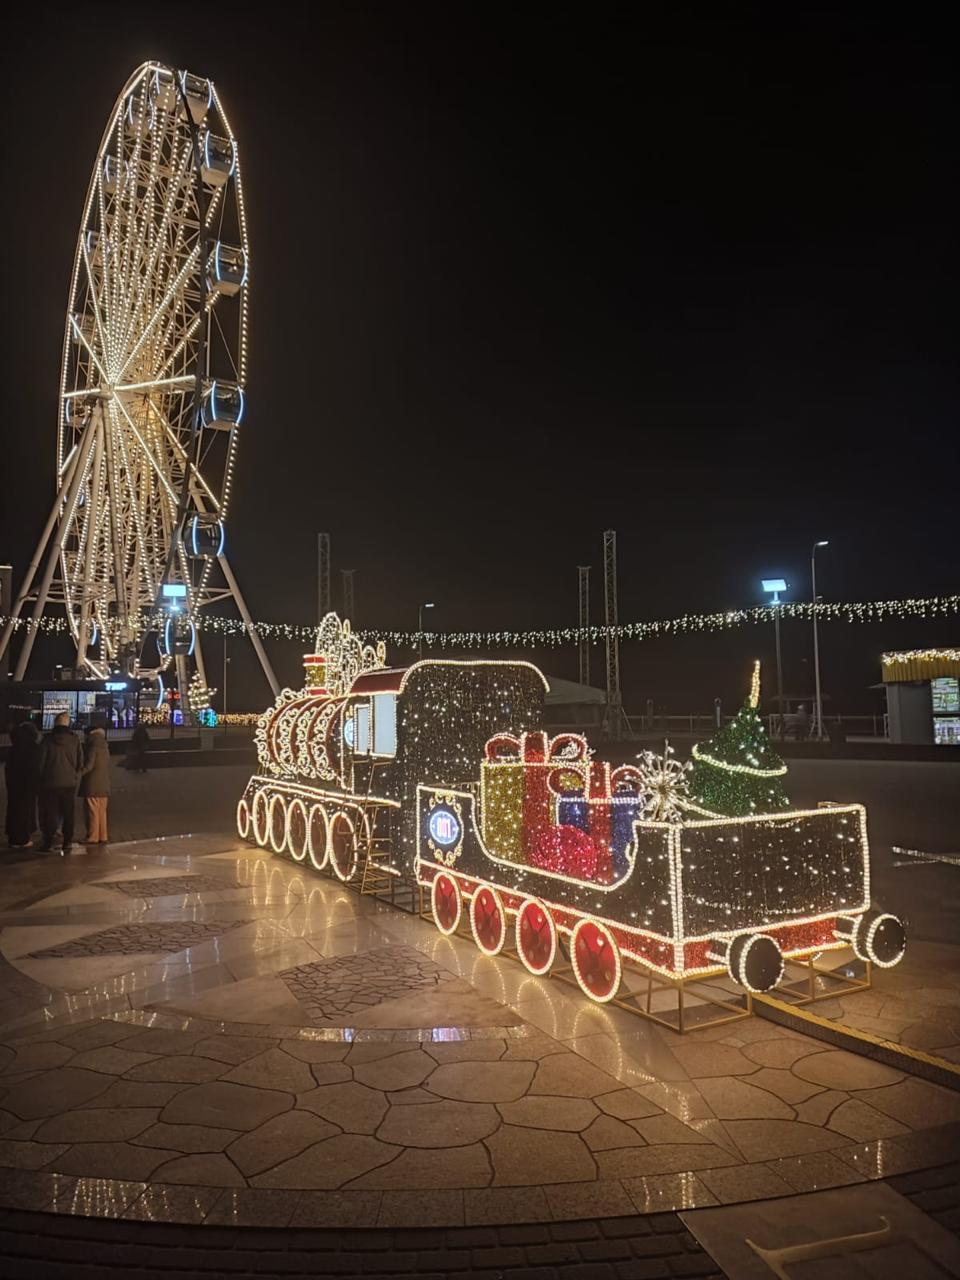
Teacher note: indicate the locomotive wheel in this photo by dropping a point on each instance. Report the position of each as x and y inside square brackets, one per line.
[596, 961]
[344, 857]
[296, 835]
[755, 961]
[880, 938]
[260, 818]
[447, 903]
[488, 920]
[243, 819]
[318, 837]
[536, 937]
[277, 824]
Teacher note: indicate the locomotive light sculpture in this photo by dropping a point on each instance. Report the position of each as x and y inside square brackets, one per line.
[441, 775]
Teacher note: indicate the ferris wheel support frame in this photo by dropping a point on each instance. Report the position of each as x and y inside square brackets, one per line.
[66, 496]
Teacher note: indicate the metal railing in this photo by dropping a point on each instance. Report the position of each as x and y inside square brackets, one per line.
[703, 724]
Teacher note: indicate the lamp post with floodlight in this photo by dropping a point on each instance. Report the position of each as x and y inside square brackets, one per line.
[816, 642]
[774, 586]
[420, 630]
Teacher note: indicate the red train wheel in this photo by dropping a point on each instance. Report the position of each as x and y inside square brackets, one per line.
[446, 902]
[596, 961]
[488, 920]
[536, 937]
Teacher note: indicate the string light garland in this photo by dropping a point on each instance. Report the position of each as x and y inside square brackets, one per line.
[864, 611]
[920, 664]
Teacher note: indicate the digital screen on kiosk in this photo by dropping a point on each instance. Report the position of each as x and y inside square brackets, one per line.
[945, 692]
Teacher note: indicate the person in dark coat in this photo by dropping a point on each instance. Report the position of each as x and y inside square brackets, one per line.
[61, 765]
[95, 785]
[139, 746]
[22, 778]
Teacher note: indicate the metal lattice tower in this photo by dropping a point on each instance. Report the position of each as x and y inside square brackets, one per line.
[348, 605]
[614, 699]
[323, 576]
[583, 571]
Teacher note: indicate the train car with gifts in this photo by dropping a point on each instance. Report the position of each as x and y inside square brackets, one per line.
[441, 776]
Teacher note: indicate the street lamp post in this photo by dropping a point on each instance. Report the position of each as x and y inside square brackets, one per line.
[816, 642]
[225, 661]
[420, 630]
[776, 585]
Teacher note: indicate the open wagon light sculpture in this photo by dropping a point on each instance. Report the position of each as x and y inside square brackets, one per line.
[440, 775]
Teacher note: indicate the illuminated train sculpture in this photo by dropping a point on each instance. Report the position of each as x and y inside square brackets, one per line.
[441, 774]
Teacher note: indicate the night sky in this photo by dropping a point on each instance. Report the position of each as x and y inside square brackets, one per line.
[519, 278]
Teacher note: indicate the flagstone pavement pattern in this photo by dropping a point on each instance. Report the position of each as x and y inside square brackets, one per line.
[202, 1073]
[167, 886]
[134, 939]
[329, 988]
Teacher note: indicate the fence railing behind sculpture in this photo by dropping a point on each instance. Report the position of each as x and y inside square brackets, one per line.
[702, 724]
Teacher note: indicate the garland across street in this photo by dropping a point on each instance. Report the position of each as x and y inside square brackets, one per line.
[844, 611]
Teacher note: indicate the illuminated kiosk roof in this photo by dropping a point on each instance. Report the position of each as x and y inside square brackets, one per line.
[920, 664]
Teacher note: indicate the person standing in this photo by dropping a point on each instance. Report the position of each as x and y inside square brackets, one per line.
[95, 785]
[803, 722]
[22, 776]
[139, 746]
[61, 764]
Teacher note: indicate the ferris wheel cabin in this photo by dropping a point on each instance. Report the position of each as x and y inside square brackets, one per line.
[168, 90]
[203, 537]
[218, 159]
[223, 405]
[226, 269]
[115, 175]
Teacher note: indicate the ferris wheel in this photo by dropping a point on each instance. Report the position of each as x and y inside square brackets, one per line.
[152, 386]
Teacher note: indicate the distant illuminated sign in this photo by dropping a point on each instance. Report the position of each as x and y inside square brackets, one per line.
[116, 686]
[444, 827]
[174, 591]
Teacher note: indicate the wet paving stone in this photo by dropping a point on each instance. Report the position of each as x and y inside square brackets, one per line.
[167, 886]
[331, 990]
[141, 939]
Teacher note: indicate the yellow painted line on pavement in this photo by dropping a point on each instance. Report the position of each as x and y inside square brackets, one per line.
[866, 1038]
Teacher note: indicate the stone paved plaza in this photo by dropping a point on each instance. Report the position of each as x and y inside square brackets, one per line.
[262, 1045]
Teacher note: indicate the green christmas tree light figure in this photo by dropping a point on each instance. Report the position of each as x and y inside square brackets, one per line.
[737, 773]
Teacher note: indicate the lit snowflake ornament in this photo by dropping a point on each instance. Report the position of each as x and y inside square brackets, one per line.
[663, 785]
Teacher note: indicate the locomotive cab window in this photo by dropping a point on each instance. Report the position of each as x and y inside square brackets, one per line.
[361, 729]
[384, 724]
